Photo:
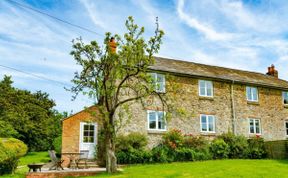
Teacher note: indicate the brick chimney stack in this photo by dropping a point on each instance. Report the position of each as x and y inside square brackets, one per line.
[112, 45]
[272, 71]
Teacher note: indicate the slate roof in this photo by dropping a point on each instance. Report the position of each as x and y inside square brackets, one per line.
[218, 73]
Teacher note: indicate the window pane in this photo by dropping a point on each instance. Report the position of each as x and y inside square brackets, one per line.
[211, 123]
[86, 127]
[209, 92]
[285, 97]
[86, 133]
[251, 126]
[161, 121]
[248, 93]
[257, 125]
[85, 139]
[152, 120]
[203, 123]
[254, 94]
[91, 127]
[286, 128]
[91, 139]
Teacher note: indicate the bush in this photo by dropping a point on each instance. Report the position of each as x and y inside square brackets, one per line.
[160, 154]
[198, 143]
[238, 145]
[219, 149]
[8, 160]
[14, 145]
[256, 148]
[131, 141]
[134, 156]
[173, 139]
[184, 154]
[57, 145]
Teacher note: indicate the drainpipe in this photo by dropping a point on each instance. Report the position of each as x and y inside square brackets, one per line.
[233, 109]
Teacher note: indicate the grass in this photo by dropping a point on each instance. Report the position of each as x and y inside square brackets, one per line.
[31, 157]
[213, 168]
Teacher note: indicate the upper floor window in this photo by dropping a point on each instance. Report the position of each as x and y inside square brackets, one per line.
[159, 81]
[252, 93]
[207, 123]
[285, 97]
[205, 88]
[254, 126]
[156, 120]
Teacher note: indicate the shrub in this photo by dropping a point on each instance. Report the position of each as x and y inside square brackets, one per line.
[196, 142]
[8, 160]
[14, 145]
[238, 145]
[57, 144]
[134, 156]
[256, 148]
[173, 139]
[219, 149]
[184, 154]
[131, 141]
[160, 154]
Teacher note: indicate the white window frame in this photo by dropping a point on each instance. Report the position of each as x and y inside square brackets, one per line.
[283, 97]
[286, 128]
[148, 121]
[206, 87]
[155, 77]
[252, 96]
[207, 123]
[254, 126]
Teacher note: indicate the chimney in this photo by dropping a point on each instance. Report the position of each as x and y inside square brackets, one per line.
[112, 45]
[272, 71]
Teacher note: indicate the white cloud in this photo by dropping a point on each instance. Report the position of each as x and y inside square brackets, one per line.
[206, 29]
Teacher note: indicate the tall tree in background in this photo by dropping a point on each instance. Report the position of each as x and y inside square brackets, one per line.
[116, 77]
[28, 116]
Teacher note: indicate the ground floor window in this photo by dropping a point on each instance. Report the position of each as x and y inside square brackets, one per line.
[156, 120]
[254, 126]
[207, 123]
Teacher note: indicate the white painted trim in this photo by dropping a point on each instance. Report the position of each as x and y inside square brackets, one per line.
[207, 123]
[164, 113]
[81, 134]
[283, 98]
[212, 89]
[254, 126]
[253, 99]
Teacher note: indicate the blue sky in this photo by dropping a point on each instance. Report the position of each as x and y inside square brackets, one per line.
[248, 34]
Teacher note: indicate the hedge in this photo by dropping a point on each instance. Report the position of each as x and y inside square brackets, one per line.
[277, 149]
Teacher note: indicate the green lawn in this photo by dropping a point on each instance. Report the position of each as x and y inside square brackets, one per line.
[31, 157]
[217, 168]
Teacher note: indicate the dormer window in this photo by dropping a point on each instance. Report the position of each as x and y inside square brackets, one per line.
[205, 88]
[159, 81]
[252, 94]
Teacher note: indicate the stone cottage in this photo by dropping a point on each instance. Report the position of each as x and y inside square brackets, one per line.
[215, 100]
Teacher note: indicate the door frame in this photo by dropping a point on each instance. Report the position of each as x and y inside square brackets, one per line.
[82, 123]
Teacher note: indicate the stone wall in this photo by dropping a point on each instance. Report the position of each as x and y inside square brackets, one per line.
[270, 110]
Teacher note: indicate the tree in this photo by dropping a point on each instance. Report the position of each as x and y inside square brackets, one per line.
[28, 116]
[116, 78]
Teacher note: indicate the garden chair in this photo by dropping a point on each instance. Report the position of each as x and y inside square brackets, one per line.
[83, 157]
[56, 162]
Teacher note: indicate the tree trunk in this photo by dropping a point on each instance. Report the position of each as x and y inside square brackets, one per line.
[111, 160]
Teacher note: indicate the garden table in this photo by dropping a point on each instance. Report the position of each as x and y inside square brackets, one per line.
[72, 158]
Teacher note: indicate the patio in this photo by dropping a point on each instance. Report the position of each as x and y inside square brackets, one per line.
[46, 173]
